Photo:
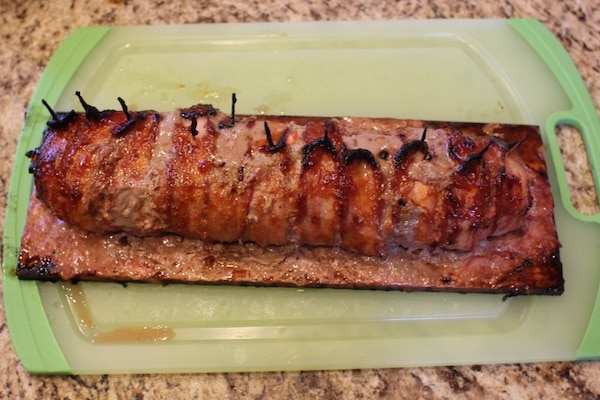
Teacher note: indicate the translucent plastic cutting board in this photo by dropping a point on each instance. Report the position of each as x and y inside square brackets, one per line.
[461, 70]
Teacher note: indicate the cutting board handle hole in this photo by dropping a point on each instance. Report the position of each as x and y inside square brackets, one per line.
[579, 176]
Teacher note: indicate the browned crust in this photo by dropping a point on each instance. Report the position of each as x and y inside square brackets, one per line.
[525, 260]
[52, 250]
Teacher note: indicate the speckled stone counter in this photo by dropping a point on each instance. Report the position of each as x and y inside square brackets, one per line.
[31, 32]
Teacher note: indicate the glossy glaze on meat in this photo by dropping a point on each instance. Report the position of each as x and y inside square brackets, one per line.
[365, 185]
[195, 196]
[520, 263]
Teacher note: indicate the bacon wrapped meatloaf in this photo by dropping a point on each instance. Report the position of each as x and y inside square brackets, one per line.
[199, 196]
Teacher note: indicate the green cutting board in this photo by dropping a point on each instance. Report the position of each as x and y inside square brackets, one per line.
[511, 71]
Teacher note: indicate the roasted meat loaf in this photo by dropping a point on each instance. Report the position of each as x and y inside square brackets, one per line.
[199, 196]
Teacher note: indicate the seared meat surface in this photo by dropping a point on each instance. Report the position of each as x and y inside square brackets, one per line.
[197, 196]
[366, 185]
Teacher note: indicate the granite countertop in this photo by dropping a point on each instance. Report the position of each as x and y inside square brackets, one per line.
[31, 32]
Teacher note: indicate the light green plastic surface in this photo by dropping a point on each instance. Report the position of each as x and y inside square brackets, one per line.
[31, 335]
[582, 116]
[486, 70]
